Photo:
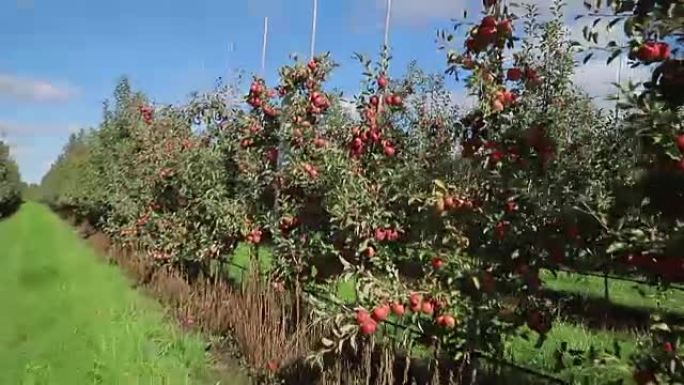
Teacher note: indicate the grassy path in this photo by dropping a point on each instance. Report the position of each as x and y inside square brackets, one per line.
[66, 318]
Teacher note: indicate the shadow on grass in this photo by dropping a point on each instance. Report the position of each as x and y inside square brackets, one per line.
[7, 209]
[599, 313]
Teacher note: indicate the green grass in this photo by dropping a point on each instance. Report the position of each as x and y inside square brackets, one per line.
[68, 318]
[524, 351]
[620, 292]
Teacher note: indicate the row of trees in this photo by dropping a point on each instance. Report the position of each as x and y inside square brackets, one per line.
[442, 217]
[10, 183]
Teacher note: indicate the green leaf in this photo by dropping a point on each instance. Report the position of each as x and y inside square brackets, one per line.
[613, 55]
[616, 246]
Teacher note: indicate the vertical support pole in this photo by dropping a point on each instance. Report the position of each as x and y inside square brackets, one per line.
[263, 48]
[385, 43]
[314, 22]
[387, 23]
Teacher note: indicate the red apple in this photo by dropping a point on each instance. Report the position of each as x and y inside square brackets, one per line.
[389, 151]
[380, 234]
[374, 100]
[497, 105]
[511, 206]
[446, 321]
[514, 74]
[505, 27]
[680, 164]
[680, 142]
[427, 307]
[380, 313]
[312, 65]
[398, 309]
[488, 21]
[362, 316]
[382, 81]
[437, 263]
[663, 51]
[648, 52]
[368, 328]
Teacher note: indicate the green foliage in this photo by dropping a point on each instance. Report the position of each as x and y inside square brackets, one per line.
[10, 182]
[81, 322]
[454, 211]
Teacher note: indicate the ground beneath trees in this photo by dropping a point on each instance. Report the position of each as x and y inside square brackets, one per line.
[66, 317]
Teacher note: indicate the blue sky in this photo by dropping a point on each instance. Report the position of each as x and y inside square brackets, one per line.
[61, 59]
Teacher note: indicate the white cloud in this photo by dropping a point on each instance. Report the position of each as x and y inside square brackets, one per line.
[33, 90]
[419, 11]
[597, 78]
[349, 106]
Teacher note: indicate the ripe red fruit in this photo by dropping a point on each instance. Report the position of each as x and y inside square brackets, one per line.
[380, 234]
[514, 74]
[389, 151]
[368, 328]
[663, 51]
[272, 154]
[449, 203]
[246, 142]
[397, 100]
[680, 142]
[369, 252]
[497, 105]
[312, 65]
[392, 235]
[648, 52]
[446, 321]
[319, 142]
[667, 347]
[505, 27]
[382, 81]
[398, 309]
[415, 299]
[427, 308]
[500, 230]
[488, 21]
[486, 33]
[381, 313]
[362, 316]
[375, 135]
[374, 100]
[437, 263]
[511, 206]
[496, 156]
